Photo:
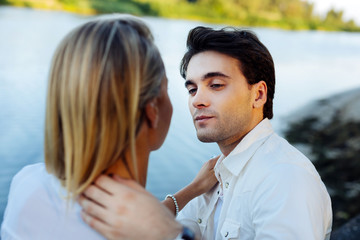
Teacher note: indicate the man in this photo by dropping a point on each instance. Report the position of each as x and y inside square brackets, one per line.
[268, 189]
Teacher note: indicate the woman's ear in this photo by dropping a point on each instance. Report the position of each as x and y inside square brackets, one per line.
[152, 113]
[261, 94]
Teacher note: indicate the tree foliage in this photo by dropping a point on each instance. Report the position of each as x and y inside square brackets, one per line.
[288, 14]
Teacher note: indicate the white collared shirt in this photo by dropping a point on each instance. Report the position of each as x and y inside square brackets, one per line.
[270, 191]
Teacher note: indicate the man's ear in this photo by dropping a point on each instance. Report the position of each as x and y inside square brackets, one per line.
[260, 94]
[152, 113]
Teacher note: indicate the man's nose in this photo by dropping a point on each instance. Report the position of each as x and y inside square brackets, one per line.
[200, 99]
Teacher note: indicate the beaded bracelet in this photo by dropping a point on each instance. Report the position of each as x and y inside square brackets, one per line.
[175, 202]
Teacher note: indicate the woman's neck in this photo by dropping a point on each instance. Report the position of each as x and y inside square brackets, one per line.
[124, 167]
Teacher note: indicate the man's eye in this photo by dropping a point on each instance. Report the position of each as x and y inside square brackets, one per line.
[216, 85]
[192, 91]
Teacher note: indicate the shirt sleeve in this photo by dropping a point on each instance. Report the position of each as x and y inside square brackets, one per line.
[291, 203]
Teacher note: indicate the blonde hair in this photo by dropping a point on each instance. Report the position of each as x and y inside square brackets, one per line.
[102, 75]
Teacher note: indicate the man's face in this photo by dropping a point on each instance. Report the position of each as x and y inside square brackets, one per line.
[220, 99]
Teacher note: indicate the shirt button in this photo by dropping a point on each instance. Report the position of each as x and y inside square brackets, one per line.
[226, 184]
[199, 220]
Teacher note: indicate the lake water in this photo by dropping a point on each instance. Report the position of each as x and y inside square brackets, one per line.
[309, 65]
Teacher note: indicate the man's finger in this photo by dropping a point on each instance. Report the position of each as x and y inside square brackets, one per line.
[96, 224]
[92, 208]
[107, 183]
[97, 194]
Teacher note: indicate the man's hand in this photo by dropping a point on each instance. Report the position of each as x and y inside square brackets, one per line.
[122, 209]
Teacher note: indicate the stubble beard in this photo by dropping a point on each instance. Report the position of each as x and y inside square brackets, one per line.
[216, 134]
[222, 131]
[225, 127]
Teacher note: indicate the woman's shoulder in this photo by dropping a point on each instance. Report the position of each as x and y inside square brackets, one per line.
[29, 179]
[32, 169]
[24, 201]
[37, 209]
[29, 175]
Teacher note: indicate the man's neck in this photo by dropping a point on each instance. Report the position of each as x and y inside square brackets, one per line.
[228, 145]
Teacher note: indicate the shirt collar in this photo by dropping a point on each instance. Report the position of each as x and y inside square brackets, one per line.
[247, 147]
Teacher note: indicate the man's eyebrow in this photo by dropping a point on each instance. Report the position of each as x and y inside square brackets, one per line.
[188, 82]
[214, 74]
[206, 76]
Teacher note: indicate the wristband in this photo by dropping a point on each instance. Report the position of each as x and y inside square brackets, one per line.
[175, 202]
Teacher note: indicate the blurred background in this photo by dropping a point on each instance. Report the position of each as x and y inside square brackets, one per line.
[316, 49]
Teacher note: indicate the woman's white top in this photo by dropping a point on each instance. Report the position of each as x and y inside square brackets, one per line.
[37, 209]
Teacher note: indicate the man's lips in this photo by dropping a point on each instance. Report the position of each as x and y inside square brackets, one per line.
[202, 118]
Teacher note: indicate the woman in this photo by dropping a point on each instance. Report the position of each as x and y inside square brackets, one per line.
[107, 109]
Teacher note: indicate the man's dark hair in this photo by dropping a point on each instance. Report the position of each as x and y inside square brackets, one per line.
[255, 60]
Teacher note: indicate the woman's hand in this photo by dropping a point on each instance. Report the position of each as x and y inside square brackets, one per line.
[122, 209]
[202, 183]
[205, 179]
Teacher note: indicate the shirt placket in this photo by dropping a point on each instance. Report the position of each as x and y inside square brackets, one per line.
[204, 214]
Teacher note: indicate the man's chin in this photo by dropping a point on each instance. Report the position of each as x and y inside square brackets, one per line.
[206, 138]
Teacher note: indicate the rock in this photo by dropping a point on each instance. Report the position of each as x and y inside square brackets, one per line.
[329, 132]
[350, 231]
[345, 104]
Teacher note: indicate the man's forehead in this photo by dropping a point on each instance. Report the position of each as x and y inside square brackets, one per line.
[211, 63]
